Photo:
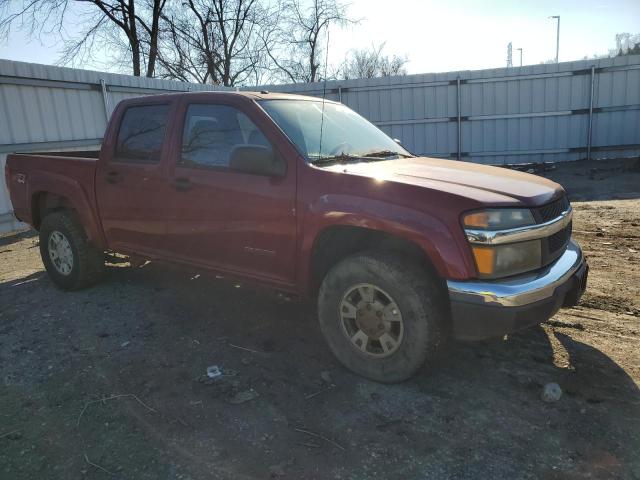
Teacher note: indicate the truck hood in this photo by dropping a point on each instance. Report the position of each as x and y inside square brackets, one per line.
[479, 182]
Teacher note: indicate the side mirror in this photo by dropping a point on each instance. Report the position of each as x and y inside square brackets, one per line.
[257, 160]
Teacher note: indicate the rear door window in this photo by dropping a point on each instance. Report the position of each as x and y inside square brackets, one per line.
[141, 134]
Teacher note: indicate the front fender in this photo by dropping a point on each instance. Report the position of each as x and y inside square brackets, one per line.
[443, 243]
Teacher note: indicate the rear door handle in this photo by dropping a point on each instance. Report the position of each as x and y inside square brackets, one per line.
[182, 184]
[114, 177]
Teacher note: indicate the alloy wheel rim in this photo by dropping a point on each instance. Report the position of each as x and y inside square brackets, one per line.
[60, 252]
[371, 320]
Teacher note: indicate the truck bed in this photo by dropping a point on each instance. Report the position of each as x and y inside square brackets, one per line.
[62, 173]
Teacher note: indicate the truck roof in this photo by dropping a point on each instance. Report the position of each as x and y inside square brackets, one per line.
[262, 95]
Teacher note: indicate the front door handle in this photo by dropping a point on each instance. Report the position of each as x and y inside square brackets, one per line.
[113, 177]
[182, 184]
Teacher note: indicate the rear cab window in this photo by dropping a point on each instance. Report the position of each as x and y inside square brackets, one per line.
[141, 134]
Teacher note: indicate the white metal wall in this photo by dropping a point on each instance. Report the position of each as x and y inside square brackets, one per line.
[507, 115]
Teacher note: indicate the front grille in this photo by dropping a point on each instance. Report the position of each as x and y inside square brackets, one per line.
[551, 210]
[553, 246]
[559, 239]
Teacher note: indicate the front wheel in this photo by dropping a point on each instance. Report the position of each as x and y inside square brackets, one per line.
[382, 316]
[70, 260]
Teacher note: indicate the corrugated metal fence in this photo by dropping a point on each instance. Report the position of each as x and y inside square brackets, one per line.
[507, 115]
[538, 113]
[51, 108]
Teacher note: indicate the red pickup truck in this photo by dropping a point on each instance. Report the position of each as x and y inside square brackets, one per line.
[308, 197]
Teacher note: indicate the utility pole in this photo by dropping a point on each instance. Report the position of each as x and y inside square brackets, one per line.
[557, 17]
[520, 55]
[509, 56]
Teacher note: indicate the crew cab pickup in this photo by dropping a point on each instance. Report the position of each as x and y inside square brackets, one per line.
[307, 197]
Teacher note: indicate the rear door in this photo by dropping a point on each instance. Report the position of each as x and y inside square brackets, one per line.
[131, 181]
[233, 221]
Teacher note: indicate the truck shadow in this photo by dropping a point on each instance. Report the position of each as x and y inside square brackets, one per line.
[588, 432]
[10, 239]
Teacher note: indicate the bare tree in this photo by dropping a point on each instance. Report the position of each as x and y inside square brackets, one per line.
[626, 44]
[133, 24]
[300, 35]
[370, 63]
[213, 41]
[34, 16]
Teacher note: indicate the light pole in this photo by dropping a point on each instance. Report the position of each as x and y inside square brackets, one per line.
[557, 17]
[520, 55]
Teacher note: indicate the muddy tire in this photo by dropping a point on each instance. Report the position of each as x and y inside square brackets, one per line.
[70, 260]
[382, 315]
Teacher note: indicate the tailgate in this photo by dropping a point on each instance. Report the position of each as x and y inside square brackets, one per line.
[17, 186]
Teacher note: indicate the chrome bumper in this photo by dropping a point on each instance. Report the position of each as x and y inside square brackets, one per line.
[522, 289]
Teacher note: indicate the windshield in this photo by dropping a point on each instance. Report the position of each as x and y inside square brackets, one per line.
[345, 134]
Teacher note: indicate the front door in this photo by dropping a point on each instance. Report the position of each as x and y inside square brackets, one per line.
[131, 186]
[233, 221]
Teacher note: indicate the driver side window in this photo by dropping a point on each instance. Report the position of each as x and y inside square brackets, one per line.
[212, 132]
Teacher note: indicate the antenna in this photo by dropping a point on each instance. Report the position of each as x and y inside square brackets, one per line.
[324, 92]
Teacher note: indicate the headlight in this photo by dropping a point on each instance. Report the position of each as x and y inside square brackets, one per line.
[499, 219]
[508, 259]
[495, 261]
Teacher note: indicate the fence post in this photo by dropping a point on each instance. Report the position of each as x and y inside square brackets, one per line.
[105, 98]
[590, 133]
[459, 118]
[340, 94]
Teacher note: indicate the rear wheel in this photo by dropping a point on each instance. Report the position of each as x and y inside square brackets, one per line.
[382, 316]
[70, 260]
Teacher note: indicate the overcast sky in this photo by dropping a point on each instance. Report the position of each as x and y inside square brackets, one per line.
[443, 35]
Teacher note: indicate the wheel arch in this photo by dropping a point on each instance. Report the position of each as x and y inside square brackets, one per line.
[43, 203]
[62, 193]
[335, 242]
[402, 228]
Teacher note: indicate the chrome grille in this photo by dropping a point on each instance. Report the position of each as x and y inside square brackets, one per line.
[558, 241]
[551, 210]
[554, 245]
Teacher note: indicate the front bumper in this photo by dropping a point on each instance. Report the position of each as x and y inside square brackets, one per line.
[485, 309]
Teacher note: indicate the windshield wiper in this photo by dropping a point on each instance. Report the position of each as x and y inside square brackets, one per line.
[342, 157]
[384, 154]
[363, 157]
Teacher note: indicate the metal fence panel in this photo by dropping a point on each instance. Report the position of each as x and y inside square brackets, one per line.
[517, 115]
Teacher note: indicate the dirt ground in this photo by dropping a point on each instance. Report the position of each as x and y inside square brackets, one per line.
[110, 382]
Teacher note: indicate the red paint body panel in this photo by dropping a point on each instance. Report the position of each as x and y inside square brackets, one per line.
[68, 177]
[231, 221]
[265, 228]
[132, 206]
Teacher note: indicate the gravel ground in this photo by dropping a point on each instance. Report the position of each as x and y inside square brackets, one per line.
[110, 382]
